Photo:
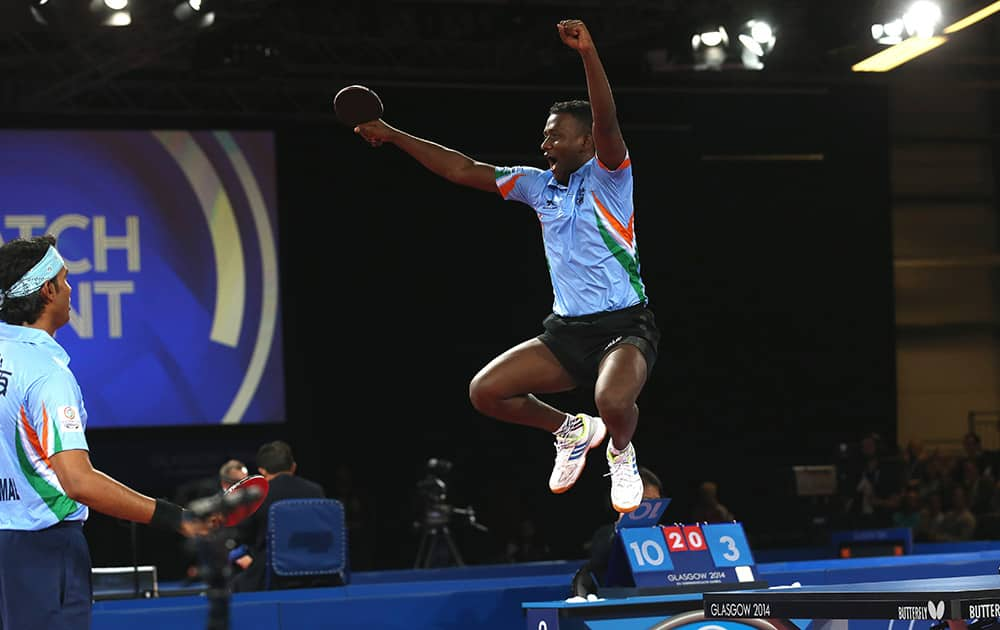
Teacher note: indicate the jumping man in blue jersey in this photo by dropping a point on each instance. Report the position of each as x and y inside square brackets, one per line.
[601, 330]
[46, 478]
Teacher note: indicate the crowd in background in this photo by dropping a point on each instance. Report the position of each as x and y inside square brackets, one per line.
[941, 497]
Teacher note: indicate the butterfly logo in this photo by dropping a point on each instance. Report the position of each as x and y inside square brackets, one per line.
[936, 612]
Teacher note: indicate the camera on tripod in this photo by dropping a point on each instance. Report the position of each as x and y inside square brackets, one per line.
[437, 515]
[433, 491]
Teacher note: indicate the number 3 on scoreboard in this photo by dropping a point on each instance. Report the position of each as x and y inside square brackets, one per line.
[728, 544]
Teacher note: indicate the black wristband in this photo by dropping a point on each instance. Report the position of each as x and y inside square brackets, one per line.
[166, 516]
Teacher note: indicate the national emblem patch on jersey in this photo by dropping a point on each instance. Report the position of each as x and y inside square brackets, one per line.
[69, 419]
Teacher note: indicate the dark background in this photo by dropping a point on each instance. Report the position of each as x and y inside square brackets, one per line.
[762, 217]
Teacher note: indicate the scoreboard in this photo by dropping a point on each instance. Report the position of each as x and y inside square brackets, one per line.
[648, 555]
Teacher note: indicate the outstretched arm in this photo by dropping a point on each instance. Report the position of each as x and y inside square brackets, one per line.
[608, 139]
[440, 160]
[103, 494]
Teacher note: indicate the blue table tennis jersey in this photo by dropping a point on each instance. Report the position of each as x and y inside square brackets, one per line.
[41, 414]
[588, 233]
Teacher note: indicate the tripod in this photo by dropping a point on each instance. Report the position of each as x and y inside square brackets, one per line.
[213, 550]
[429, 541]
[213, 555]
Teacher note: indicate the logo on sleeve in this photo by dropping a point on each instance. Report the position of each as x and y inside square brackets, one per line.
[69, 419]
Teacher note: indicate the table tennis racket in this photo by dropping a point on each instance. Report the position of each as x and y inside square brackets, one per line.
[255, 488]
[356, 104]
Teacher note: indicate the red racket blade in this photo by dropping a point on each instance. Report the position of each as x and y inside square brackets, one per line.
[356, 104]
[245, 510]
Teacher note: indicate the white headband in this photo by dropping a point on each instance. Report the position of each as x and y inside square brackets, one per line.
[46, 269]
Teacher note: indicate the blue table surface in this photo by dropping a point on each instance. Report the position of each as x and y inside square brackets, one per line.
[618, 601]
[879, 561]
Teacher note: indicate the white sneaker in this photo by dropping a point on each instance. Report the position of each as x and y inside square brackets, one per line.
[626, 484]
[571, 453]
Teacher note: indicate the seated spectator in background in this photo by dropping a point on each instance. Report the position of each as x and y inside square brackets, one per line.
[708, 509]
[601, 542]
[992, 457]
[907, 514]
[232, 471]
[931, 518]
[229, 473]
[275, 462]
[915, 461]
[939, 477]
[988, 524]
[873, 485]
[977, 486]
[958, 523]
[972, 446]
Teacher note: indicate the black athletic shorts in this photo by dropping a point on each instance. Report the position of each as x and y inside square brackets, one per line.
[580, 343]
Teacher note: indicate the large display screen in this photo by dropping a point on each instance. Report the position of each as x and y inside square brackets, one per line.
[170, 238]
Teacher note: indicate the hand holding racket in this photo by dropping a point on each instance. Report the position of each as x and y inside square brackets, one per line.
[356, 104]
[231, 507]
[360, 107]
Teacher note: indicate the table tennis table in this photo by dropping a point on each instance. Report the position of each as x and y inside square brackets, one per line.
[921, 603]
[938, 599]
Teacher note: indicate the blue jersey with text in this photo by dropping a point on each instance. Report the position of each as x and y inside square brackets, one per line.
[588, 232]
[41, 414]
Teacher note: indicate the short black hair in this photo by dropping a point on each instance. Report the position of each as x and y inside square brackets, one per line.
[17, 257]
[275, 457]
[578, 109]
[650, 479]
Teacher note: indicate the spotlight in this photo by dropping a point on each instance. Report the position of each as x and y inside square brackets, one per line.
[118, 18]
[889, 33]
[111, 12]
[710, 48]
[922, 19]
[40, 11]
[198, 11]
[756, 41]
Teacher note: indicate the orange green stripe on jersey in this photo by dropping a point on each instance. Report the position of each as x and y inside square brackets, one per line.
[625, 233]
[33, 457]
[627, 163]
[620, 240]
[506, 178]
